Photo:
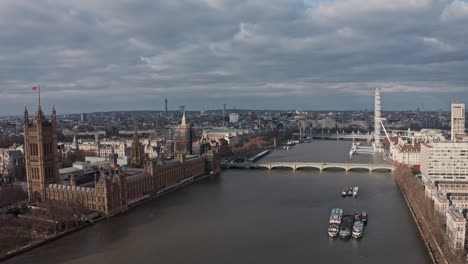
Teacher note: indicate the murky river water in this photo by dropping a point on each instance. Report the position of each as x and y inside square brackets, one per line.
[254, 216]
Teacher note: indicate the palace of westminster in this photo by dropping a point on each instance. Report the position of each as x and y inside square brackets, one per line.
[114, 188]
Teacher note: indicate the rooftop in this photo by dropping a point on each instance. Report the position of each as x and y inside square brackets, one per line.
[69, 170]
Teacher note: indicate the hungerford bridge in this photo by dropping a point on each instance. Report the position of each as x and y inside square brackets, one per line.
[311, 165]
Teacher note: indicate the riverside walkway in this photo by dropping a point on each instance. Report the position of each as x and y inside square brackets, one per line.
[313, 165]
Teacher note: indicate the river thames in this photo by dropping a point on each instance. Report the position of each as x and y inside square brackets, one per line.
[254, 216]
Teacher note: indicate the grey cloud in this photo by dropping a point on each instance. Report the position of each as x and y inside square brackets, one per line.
[113, 55]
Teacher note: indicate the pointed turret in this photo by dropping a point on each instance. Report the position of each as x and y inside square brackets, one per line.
[75, 142]
[138, 152]
[113, 159]
[39, 114]
[183, 137]
[26, 119]
[135, 134]
[184, 122]
[54, 117]
[26, 115]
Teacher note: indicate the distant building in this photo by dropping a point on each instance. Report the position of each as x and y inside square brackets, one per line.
[92, 160]
[233, 117]
[12, 167]
[458, 121]
[230, 135]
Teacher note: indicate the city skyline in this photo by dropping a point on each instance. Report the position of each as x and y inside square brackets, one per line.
[313, 55]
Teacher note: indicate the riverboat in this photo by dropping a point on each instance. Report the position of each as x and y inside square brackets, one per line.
[357, 216]
[333, 230]
[346, 226]
[364, 217]
[335, 217]
[345, 192]
[355, 191]
[358, 229]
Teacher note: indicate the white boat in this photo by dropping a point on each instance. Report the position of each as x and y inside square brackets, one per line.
[335, 217]
[355, 191]
[344, 192]
[358, 229]
[364, 217]
[333, 230]
[353, 150]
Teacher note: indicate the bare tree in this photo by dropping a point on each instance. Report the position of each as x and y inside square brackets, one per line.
[11, 194]
[414, 191]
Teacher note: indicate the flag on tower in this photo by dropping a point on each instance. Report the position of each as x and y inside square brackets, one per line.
[37, 88]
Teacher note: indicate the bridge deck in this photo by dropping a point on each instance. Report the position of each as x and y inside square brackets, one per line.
[318, 165]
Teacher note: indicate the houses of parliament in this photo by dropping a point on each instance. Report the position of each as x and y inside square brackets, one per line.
[114, 188]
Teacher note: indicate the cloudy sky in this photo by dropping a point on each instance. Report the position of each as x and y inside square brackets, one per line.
[106, 55]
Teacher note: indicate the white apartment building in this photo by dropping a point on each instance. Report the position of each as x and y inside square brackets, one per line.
[458, 121]
[456, 228]
[444, 161]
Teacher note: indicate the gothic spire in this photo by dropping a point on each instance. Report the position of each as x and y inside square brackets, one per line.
[54, 116]
[39, 114]
[135, 134]
[26, 116]
[184, 122]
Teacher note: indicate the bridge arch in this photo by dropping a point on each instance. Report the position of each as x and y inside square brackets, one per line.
[333, 168]
[260, 167]
[358, 169]
[382, 169]
[308, 167]
[282, 167]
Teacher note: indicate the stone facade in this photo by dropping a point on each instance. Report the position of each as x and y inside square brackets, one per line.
[406, 152]
[40, 143]
[456, 228]
[138, 152]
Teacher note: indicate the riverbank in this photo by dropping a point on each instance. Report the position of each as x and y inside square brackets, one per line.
[39, 243]
[57, 236]
[431, 225]
[429, 249]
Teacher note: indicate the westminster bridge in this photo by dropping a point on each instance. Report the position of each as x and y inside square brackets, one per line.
[311, 165]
